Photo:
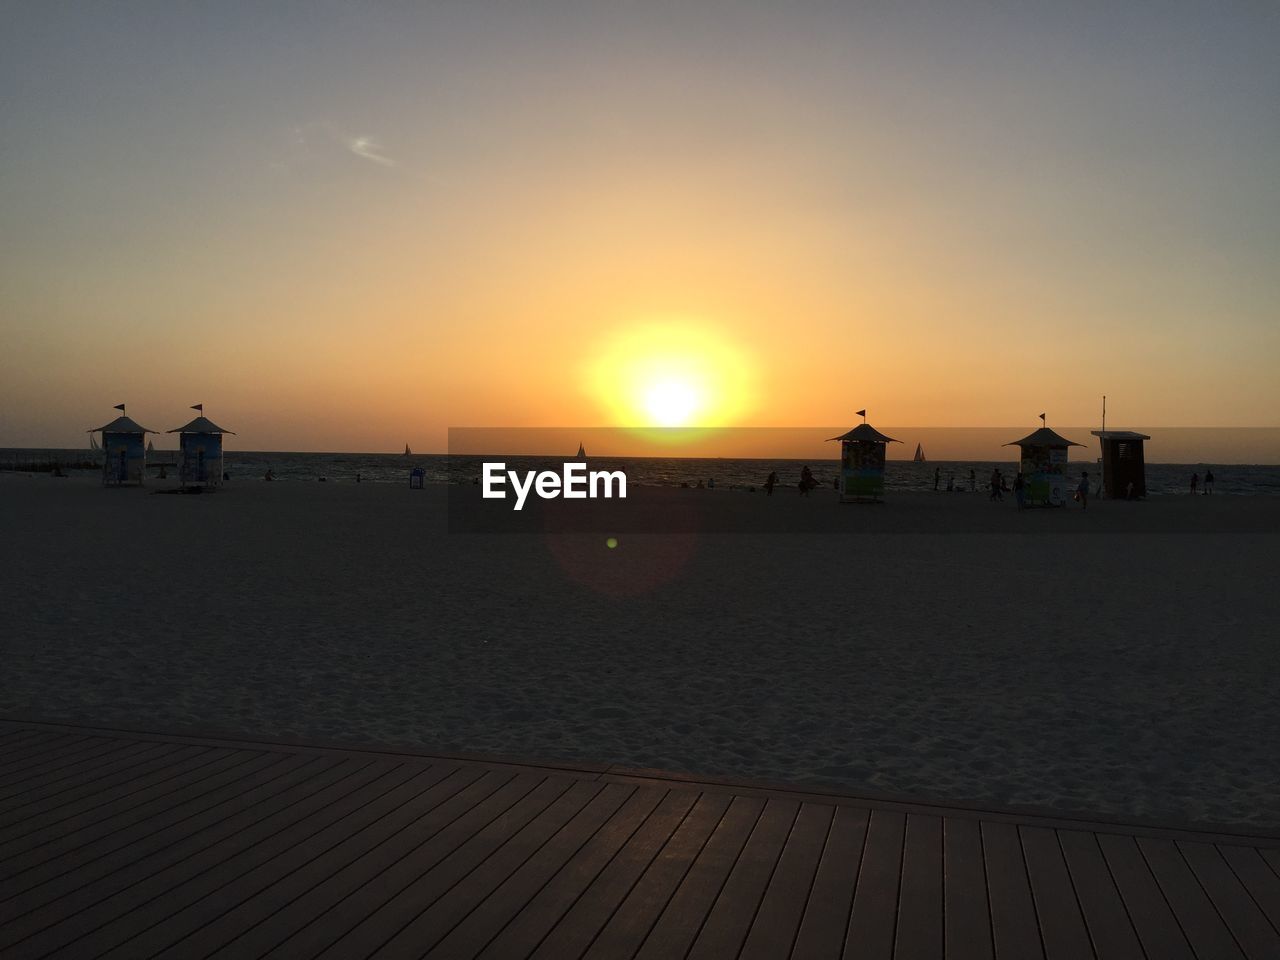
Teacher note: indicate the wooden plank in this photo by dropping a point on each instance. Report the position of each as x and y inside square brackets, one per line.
[75, 849]
[622, 843]
[437, 898]
[462, 922]
[129, 778]
[1015, 929]
[1247, 923]
[1196, 914]
[18, 741]
[1273, 859]
[966, 909]
[1062, 930]
[777, 921]
[920, 901]
[825, 923]
[394, 864]
[34, 752]
[74, 761]
[1104, 911]
[734, 911]
[1260, 880]
[44, 790]
[875, 899]
[82, 882]
[1149, 911]
[538, 901]
[138, 885]
[648, 868]
[679, 918]
[289, 890]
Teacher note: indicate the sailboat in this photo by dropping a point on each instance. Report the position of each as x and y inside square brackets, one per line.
[93, 442]
[151, 446]
[582, 452]
[919, 457]
[407, 451]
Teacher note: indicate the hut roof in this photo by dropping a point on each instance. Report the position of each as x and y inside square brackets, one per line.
[866, 433]
[1044, 437]
[121, 425]
[202, 424]
[1119, 435]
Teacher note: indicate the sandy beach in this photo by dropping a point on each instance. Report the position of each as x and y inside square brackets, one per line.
[1131, 671]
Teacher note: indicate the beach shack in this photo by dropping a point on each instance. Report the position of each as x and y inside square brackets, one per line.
[124, 452]
[1124, 471]
[1044, 467]
[862, 455]
[200, 452]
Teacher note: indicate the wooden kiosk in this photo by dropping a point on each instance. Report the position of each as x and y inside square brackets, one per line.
[1124, 471]
[862, 455]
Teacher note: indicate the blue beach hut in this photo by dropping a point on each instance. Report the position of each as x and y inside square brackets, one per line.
[200, 452]
[124, 451]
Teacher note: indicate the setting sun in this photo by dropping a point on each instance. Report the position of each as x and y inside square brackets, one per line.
[671, 376]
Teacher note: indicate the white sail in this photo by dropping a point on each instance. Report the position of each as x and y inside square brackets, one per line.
[919, 457]
[582, 452]
[407, 451]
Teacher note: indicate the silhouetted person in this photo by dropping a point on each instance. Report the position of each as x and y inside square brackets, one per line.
[995, 484]
[769, 482]
[807, 482]
[937, 476]
[1082, 490]
[1195, 480]
[1208, 482]
[269, 475]
[1020, 490]
[973, 481]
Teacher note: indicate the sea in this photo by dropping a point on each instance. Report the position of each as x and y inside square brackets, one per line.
[728, 473]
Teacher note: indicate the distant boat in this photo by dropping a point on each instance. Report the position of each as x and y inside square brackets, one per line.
[407, 451]
[919, 457]
[151, 446]
[93, 443]
[582, 453]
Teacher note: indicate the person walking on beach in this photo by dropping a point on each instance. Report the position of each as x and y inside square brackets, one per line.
[1195, 480]
[995, 485]
[807, 482]
[1020, 490]
[1208, 482]
[769, 482]
[973, 481]
[1082, 490]
[937, 476]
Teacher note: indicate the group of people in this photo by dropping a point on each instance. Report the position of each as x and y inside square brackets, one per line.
[1208, 482]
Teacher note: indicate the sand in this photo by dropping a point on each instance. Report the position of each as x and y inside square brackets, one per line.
[1102, 664]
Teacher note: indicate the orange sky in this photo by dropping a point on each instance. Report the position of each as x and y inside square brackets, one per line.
[350, 231]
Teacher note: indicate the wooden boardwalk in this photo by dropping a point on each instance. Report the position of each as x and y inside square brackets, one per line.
[127, 844]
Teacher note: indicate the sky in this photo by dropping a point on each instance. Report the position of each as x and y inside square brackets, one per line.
[353, 226]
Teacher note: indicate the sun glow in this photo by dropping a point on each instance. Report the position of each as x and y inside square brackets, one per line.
[672, 376]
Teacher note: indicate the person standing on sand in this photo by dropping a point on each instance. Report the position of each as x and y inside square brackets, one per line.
[1208, 482]
[1195, 480]
[1082, 490]
[807, 482]
[1020, 490]
[937, 476]
[769, 482]
[995, 485]
[973, 481]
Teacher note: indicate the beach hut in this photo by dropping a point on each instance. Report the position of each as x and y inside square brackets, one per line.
[124, 451]
[1124, 471]
[200, 452]
[862, 453]
[1044, 467]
